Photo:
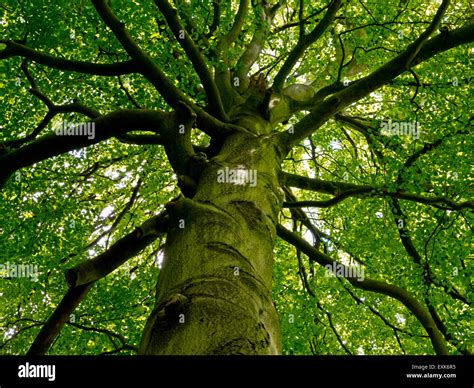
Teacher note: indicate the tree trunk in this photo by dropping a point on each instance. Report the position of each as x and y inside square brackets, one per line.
[214, 289]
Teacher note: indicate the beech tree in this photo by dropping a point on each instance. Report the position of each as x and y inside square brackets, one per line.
[236, 177]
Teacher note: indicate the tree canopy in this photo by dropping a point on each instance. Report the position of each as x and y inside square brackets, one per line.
[372, 101]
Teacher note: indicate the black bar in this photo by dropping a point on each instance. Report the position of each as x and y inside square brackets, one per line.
[318, 371]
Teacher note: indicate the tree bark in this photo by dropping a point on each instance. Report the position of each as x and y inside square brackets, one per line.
[214, 289]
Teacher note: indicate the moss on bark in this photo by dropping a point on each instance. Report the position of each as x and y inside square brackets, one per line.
[214, 290]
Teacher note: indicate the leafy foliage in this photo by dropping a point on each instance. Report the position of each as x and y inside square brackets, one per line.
[66, 209]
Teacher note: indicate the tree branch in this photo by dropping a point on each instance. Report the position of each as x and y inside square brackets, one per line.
[184, 13]
[105, 127]
[58, 319]
[83, 276]
[148, 68]
[416, 46]
[110, 334]
[396, 292]
[172, 95]
[253, 49]
[140, 139]
[215, 104]
[216, 18]
[338, 337]
[343, 190]
[236, 28]
[15, 49]
[53, 110]
[177, 139]
[363, 87]
[304, 42]
[91, 270]
[377, 313]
